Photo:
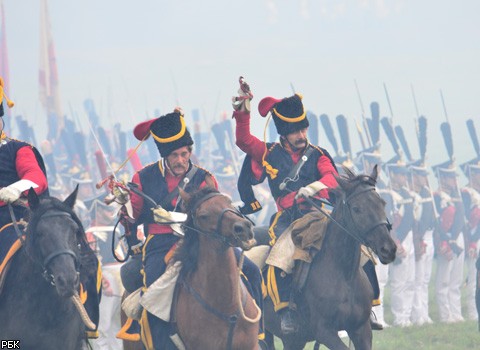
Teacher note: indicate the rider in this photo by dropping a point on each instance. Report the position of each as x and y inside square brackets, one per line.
[160, 181]
[315, 173]
[22, 168]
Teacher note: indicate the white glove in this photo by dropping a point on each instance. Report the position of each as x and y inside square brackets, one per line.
[310, 190]
[161, 215]
[242, 101]
[10, 194]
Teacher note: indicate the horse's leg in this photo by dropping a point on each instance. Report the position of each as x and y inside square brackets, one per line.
[330, 339]
[269, 341]
[362, 337]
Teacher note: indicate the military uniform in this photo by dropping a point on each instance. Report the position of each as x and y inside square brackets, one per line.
[449, 244]
[275, 162]
[425, 222]
[402, 270]
[471, 202]
[158, 181]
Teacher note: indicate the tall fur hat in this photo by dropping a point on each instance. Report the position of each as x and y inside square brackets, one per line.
[169, 132]
[288, 113]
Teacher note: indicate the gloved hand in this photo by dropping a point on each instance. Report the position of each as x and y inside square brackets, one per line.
[10, 194]
[445, 250]
[121, 195]
[242, 101]
[310, 190]
[161, 215]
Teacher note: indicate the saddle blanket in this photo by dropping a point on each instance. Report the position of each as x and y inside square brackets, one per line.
[156, 299]
[297, 241]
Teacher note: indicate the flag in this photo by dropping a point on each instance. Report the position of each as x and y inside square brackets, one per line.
[4, 56]
[48, 75]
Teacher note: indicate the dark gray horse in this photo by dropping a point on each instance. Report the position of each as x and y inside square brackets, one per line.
[35, 304]
[337, 294]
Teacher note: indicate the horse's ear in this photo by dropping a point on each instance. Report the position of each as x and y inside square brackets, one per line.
[33, 200]
[72, 198]
[374, 173]
[342, 182]
[210, 181]
[349, 172]
[184, 195]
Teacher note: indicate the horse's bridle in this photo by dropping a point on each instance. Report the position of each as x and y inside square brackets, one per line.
[47, 260]
[217, 232]
[353, 233]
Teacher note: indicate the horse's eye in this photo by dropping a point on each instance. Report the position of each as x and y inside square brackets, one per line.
[356, 210]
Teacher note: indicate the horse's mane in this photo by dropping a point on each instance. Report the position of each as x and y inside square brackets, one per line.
[87, 258]
[352, 180]
[187, 252]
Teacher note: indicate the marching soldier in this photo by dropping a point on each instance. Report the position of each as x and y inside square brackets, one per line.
[449, 244]
[402, 276]
[425, 222]
[376, 273]
[471, 202]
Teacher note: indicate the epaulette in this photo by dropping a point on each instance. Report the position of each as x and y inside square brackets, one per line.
[318, 149]
[201, 168]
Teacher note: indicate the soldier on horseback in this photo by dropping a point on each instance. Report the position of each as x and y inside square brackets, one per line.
[160, 182]
[294, 168]
[22, 168]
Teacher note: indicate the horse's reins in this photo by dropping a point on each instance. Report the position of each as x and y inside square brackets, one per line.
[49, 277]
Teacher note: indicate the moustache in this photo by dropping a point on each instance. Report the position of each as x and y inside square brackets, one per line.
[300, 141]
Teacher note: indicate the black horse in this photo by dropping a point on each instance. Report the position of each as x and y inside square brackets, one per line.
[35, 304]
[337, 294]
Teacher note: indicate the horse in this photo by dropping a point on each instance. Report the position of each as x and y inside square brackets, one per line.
[213, 309]
[36, 305]
[337, 294]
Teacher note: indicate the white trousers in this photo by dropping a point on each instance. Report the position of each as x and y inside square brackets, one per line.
[423, 273]
[382, 276]
[448, 283]
[470, 287]
[402, 283]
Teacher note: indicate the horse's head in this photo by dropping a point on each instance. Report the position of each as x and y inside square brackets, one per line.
[53, 240]
[212, 213]
[363, 213]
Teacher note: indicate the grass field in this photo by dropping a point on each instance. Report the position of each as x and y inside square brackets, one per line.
[437, 336]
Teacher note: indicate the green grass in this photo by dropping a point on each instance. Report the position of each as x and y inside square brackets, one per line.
[437, 336]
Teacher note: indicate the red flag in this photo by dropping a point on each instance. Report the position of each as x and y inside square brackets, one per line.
[4, 56]
[48, 73]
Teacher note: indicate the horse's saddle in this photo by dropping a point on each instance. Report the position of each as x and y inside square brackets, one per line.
[300, 241]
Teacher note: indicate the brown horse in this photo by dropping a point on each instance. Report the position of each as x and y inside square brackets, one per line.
[337, 294]
[214, 310]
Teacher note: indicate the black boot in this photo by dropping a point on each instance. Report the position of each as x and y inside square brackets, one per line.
[288, 321]
[376, 326]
